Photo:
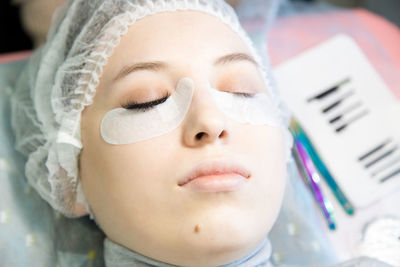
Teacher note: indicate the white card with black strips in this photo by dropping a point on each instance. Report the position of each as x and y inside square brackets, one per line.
[350, 115]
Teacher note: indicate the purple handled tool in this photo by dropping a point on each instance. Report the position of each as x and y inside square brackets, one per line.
[314, 178]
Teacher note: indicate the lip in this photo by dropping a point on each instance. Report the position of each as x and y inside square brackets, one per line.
[216, 176]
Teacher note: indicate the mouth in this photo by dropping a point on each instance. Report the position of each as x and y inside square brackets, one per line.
[216, 176]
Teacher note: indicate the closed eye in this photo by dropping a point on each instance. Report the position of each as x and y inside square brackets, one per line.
[133, 105]
[246, 95]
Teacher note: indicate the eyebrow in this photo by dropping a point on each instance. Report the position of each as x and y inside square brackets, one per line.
[159, 65]
[230, 58]
[151, 66]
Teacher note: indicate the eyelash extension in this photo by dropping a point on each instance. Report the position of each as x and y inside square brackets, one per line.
[133, 105]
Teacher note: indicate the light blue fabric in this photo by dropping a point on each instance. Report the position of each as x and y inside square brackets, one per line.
[31, 233]
[297, 237]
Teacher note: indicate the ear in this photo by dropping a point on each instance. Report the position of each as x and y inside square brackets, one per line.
[80, 206]
[79, 210]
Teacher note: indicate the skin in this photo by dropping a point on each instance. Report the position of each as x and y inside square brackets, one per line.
[133, 189]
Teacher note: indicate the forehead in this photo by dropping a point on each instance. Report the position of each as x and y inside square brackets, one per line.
[181, 37]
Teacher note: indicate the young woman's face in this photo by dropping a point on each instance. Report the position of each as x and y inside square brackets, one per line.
[135, 190]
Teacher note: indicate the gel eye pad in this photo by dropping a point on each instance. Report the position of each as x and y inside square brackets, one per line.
[125, 126]
[256, 109]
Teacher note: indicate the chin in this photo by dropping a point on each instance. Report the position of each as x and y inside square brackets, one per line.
[224, 237]
[222, 249]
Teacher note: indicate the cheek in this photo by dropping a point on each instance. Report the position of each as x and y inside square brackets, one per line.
[265, 144]
[266, 148]
[112, 173]
[271, 157]
[121, 180]
[135, 167]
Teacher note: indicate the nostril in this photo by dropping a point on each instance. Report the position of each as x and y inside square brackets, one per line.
[199, 135]
[222, 134]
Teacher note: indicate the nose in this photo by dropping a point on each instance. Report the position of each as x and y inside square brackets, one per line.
[204, 123]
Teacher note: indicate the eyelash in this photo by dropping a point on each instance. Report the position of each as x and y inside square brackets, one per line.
[133, 105]
[246, 95]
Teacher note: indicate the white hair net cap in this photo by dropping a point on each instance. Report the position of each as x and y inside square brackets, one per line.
[61, 79]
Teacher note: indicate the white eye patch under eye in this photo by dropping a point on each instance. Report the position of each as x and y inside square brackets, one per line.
[256, 109]
[123, 126]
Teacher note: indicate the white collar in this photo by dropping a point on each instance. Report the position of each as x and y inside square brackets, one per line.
[118, 256]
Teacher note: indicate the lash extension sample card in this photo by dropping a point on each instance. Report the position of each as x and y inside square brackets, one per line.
[350, 115]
